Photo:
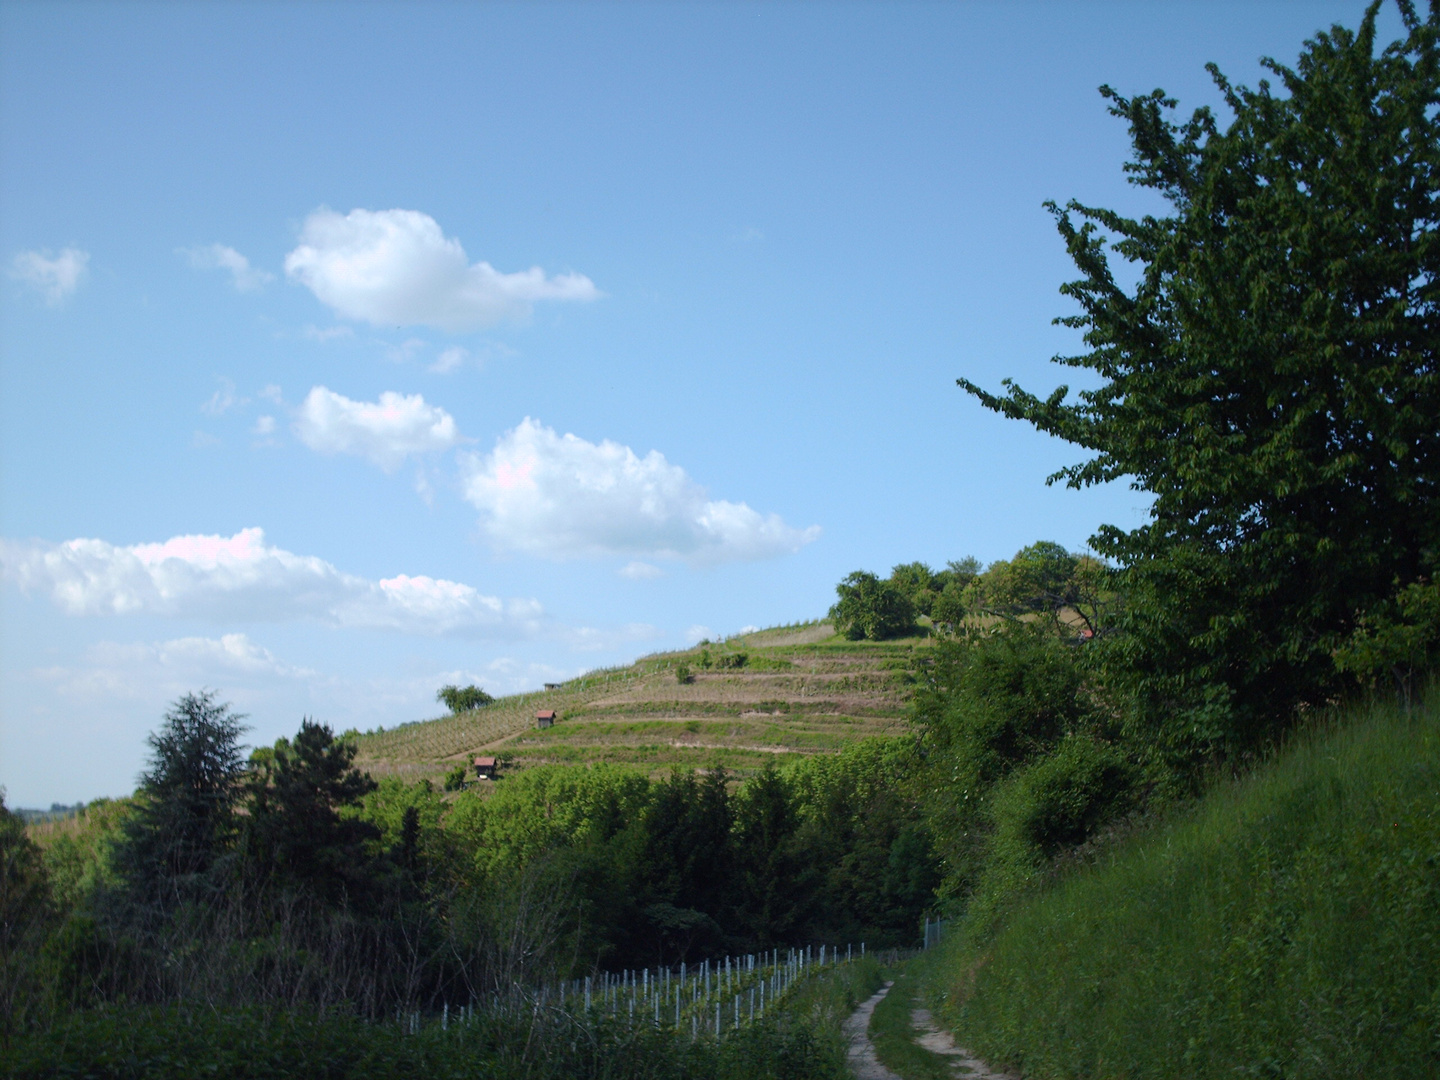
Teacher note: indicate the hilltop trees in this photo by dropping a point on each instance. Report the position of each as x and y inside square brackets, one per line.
[460, 699]
[871, 608]
[1271, 381]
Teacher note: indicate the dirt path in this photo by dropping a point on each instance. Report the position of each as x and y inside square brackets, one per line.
[939, 1041]
[866, 1066]
[863, 1062]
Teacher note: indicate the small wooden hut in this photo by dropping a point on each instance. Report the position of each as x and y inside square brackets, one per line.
[545, 718]
[485, 768]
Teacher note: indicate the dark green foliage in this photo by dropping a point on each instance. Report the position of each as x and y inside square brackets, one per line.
[872, 609]
[184, 1043]
[1271, 381]
[455, 778]
[184, 817]
[1060, 800]
[684, 868]
[1397, 641]
[297, 834]
[994, 702]
[26, 914]
[460, 699]
[776, 880]
[683, 674]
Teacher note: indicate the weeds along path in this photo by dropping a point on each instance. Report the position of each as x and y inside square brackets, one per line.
[894, 1036]
[939, 1041]
[863, 1062]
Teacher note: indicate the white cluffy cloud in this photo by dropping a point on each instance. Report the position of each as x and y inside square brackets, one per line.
[562, 496]
[385, 431]
[134, 671]
[240, 577]
[245, 277]
[396, 268]
[55, 278]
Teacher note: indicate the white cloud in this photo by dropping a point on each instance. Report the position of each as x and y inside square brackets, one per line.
[640, 571]
[241, 578]
[396, 268]
[55, 278]
[450, 359]
[264, 425]
[330, 333]
[698, 633]
[140, 670]
[223, 400]
[562, 496]
[246, 278]
[385, 431]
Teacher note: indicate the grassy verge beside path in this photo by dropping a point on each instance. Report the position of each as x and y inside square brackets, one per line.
[1286, 926]
[894, 1036]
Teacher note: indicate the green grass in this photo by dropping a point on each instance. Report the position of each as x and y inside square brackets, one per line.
[1288, 925]
[894, 1037]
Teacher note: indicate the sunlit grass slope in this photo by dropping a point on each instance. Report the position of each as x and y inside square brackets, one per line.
[801, 690]
[1287, 926]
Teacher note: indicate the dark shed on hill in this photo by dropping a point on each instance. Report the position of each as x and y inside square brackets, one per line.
[485, 768]
[544, 718]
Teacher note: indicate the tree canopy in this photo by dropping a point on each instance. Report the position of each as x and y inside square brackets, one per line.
[1270, 380]
[460, 699]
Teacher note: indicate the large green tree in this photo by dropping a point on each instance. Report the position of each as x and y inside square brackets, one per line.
[1270, 380]
[184, 816]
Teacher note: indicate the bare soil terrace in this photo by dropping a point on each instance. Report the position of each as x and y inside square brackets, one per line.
[800, 690]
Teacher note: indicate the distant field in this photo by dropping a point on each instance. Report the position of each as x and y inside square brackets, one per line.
[802, 690]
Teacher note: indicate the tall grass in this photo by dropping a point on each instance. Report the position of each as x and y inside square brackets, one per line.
[1286, 926]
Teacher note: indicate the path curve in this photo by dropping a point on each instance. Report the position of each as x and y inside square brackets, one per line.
[939, 1041]
[863, 1062]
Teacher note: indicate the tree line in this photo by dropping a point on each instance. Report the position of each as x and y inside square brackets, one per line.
[290, 877]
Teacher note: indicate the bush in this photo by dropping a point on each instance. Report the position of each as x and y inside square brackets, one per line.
[872, 609]
[1059, 801]
[455, 778]
[683, 674]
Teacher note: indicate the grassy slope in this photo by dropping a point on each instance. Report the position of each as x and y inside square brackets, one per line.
[1287, 926]
[802, 691]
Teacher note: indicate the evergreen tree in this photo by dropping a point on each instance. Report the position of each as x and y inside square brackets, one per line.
[298, 831]
[184, 818]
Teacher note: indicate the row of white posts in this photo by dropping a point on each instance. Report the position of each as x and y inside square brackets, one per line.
[711, 997]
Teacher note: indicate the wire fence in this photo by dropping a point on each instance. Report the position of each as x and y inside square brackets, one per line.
[710, 999]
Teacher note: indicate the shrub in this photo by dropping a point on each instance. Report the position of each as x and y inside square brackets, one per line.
[1059, 801]
[683, 674]
[455, 778]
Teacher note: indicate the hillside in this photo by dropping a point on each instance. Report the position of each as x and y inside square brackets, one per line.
[800, 690]
[1286, 925]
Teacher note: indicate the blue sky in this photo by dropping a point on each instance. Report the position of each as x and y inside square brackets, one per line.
[350, 350]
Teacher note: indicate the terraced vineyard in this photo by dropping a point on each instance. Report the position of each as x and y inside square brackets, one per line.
[796, 691]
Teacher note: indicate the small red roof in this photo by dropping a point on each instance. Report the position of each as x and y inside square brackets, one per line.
[485, 761]
[545, 714]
